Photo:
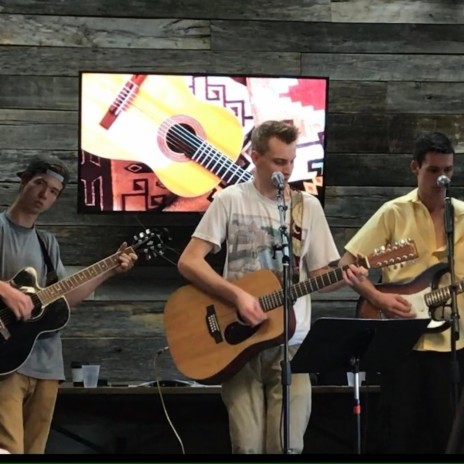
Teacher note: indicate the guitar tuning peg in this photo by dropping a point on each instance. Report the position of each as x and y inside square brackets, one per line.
[166, 233]
[148, 255]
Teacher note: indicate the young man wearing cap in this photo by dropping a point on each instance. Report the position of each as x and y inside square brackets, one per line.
[28, 395]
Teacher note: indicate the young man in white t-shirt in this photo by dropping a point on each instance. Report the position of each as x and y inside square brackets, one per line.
[247, 218]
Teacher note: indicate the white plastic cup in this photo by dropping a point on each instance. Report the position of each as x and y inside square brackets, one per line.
[90, 373]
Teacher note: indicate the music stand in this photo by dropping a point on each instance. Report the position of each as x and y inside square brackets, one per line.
[356, 344]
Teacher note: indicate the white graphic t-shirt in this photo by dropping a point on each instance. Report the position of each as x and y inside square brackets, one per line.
[250, 223]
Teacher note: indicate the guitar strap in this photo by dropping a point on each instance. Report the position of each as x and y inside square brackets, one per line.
[51, 273]
[296, 223]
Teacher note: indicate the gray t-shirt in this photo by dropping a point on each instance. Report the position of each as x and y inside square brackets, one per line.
[20, 248]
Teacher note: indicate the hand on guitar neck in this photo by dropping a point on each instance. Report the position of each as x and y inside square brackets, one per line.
[390, 305]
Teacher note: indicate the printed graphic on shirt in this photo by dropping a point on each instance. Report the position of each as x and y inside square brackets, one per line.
[252, 246]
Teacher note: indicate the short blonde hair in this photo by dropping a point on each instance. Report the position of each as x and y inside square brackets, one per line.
[282, 130]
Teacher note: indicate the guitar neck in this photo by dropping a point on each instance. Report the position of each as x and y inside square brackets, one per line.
[403, 251]
[219, 164]
[276, 299]
[56, 291]
[442, 295]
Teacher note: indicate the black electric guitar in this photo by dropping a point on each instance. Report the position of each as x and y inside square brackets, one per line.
[51, 310]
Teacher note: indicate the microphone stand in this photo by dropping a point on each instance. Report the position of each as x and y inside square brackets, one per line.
[285, 363]
[449, 229]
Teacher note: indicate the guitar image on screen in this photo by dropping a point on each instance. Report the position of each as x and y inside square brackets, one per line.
[158, 121]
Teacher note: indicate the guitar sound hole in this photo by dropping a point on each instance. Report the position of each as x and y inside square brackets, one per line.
[236, 333]
[181, 138]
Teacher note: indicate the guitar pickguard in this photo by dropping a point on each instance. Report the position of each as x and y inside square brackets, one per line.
[236, 332]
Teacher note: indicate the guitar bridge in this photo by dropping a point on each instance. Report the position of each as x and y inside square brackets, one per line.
[213, 325]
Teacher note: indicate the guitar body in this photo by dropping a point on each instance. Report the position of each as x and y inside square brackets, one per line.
[17, 338]
[206, 338]
[413, 291]
[209, 343]
[145, 128]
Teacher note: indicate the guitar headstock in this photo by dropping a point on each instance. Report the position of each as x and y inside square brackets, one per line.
[391, 254]
[150, 243]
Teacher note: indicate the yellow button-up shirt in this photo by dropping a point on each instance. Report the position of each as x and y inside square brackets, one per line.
[407, 217]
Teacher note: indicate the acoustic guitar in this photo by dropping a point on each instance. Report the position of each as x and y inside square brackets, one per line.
[424, 293]
[208, 341]
[51, 310]
[157, 120]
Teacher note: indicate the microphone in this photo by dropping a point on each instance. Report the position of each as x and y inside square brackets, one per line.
[278, 180]
[443, 181]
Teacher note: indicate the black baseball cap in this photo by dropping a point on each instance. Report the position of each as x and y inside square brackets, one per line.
[47, 164]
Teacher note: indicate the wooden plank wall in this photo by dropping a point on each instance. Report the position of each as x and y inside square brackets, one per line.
[396, 67]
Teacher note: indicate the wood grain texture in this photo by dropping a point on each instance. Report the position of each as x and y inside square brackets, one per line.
[387, 132]
[60, 61]
[293, 10]
[425, 97]
[330, 37]
[392, 66]
[398, 11]
[72, 31]
[123, 359]
[377, 170]
[39, 92]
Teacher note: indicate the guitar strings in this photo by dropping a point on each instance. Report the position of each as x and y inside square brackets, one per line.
[178, 136]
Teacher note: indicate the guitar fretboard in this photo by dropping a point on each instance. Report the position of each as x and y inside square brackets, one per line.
[276, 299]
[217, 163]
[54, 292]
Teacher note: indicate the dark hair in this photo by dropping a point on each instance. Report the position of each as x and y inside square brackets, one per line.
[435, 142]
[282, 130]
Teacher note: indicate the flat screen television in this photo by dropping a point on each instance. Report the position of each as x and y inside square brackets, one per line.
[167, 143]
